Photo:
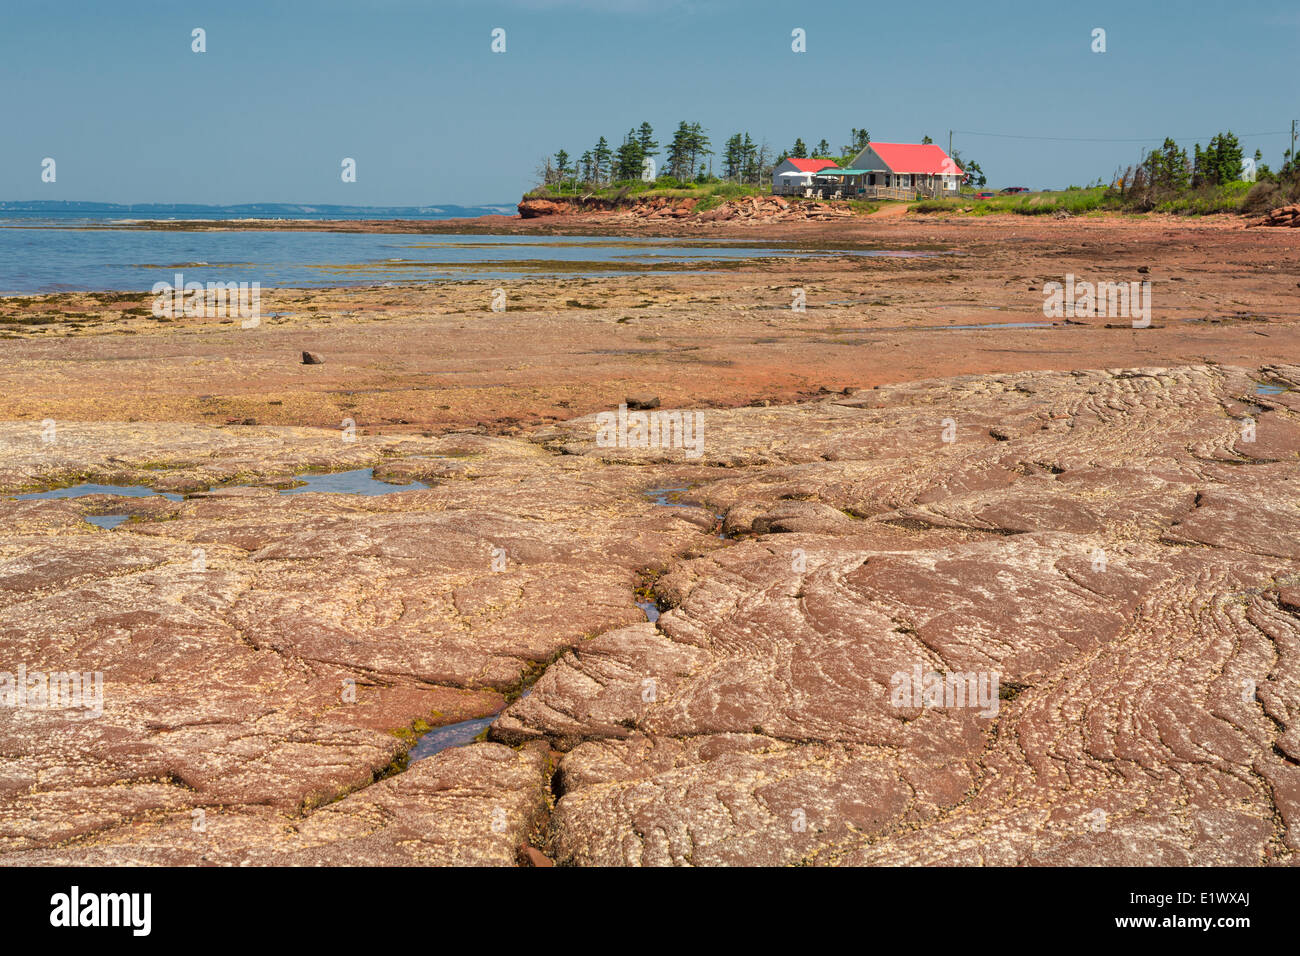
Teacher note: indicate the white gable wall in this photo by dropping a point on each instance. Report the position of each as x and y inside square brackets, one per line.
[869, 160]
[789, 184]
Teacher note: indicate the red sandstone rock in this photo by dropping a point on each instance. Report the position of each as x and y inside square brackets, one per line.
[1106, 541]
[532, 208]
[1282, 216]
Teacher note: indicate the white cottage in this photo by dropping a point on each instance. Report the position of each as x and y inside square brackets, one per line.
[904, 169]
[795, 175]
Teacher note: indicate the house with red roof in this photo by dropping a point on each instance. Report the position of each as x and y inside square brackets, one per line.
[883, 169]
[795, 175]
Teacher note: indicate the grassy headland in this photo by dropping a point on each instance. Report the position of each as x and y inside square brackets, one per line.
[1227, 198]
[712, 193]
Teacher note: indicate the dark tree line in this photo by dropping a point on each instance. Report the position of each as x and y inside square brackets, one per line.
[1168, 172]
[1169, 168]
[634, 158]
[744, 161]
[858, 140]
[687, 157]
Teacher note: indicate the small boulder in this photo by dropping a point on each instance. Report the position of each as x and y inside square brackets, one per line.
[311, 358]
[534, 208]
[642, 401]
[536, 857]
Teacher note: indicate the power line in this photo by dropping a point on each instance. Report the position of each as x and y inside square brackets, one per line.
[1081, 139]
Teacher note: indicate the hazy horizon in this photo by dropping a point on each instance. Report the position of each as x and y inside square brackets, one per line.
[413, 92]
[262, 202]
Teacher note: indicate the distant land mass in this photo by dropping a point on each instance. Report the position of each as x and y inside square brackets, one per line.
[259, 210]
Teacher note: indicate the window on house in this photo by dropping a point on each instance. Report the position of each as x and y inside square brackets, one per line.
[905, 180]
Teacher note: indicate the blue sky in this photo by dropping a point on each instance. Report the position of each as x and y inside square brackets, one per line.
[412, 91]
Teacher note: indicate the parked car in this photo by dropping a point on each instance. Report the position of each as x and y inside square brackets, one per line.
[984, 195]
[1015, 189]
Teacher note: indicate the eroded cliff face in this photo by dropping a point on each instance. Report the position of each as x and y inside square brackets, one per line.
[1115, 554]
[749, 209]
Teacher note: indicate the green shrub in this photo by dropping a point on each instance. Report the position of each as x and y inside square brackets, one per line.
[1269, 194]
[1234, 197]
[1075, 201]
[1228, 198]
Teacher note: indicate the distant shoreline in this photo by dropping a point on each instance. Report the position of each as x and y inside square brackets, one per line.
[260, 210]
[484, 223]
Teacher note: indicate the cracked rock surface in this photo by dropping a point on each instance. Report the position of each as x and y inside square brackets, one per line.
[1119, 549]
[1106, 542]
[269, 654]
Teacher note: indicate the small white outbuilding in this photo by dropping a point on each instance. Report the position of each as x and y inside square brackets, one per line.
[792, 176]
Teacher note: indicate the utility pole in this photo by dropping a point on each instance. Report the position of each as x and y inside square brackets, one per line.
[1293, 162]
[950, 140]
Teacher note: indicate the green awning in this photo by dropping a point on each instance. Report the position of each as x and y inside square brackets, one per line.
[842, 172]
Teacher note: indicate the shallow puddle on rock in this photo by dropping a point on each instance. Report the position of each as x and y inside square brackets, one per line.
[980, 327]
[361, 481]
[991, 325]
[670, 497]
[453, 735]
[81, 491]
[1268, 388]
[106, 521]
[650, 609]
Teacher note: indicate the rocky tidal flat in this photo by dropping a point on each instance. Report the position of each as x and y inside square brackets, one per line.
[855, 543]
[528, 647]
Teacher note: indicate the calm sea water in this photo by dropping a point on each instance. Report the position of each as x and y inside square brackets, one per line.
[60, 258]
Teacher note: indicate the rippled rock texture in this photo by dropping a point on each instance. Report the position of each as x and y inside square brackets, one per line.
[1100, 568]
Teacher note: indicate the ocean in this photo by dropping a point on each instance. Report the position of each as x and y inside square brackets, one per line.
[82, 252]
